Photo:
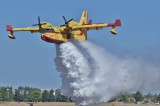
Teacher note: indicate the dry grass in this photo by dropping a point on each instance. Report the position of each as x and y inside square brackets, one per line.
[67, 104]
[125, 104]
[37, 104]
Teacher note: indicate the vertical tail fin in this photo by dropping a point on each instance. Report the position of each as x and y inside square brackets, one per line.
[83, 21]
[84, 18]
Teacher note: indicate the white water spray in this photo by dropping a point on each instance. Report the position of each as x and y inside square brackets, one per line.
[92, 75]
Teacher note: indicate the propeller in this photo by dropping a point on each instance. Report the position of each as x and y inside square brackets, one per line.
[39, 23]
[66, 22]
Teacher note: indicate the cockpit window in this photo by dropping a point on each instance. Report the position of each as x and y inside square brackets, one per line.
[47, 30]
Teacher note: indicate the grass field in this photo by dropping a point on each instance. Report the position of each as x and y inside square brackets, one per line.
[37, 104]
[125, 104]
[68, 104]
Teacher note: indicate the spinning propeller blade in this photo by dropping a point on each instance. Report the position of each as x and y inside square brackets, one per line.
[66, 22]
[39, 23]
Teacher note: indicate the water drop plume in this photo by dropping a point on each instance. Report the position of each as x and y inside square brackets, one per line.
[92, 75]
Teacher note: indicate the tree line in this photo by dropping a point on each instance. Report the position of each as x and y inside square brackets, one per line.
[138, 97]
[29, 94]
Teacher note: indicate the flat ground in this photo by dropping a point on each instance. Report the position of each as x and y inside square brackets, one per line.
[125, 104]
[68, 104]
[37, 104]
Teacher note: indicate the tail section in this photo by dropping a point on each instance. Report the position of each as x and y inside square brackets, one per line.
[84, 18]
[113, 25]
[118, 22]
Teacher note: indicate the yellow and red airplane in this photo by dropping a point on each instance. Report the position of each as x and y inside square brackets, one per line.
[71, 30]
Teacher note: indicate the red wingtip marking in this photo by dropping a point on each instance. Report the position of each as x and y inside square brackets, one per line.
[118, 22]
[9, 28]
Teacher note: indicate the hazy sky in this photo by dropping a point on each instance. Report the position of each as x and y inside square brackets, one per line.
[30, 61]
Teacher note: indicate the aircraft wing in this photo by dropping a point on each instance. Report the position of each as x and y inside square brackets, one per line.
[90, 26]
[12, 30]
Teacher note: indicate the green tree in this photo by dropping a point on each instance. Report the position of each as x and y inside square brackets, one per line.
[158, 98]
[64, 98]
[138, 96]
[58, 95]
[18, 97]
[10, 93]
[35, 96]
[0, 94]
[26, 93]
[4, 94]
[45, 96]
[51, 95]
[123, 98]
[19, 94]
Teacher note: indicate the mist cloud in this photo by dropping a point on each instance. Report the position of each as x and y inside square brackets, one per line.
[93, 75]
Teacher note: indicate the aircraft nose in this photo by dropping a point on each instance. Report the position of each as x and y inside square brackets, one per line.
[43, 37]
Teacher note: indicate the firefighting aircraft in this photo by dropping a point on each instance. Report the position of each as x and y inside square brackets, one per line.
[71, 30]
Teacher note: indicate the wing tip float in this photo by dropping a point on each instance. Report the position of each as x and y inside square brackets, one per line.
[10, 28]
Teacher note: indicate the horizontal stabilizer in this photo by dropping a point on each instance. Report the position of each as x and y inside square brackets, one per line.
[89, 22]
[117, 23]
